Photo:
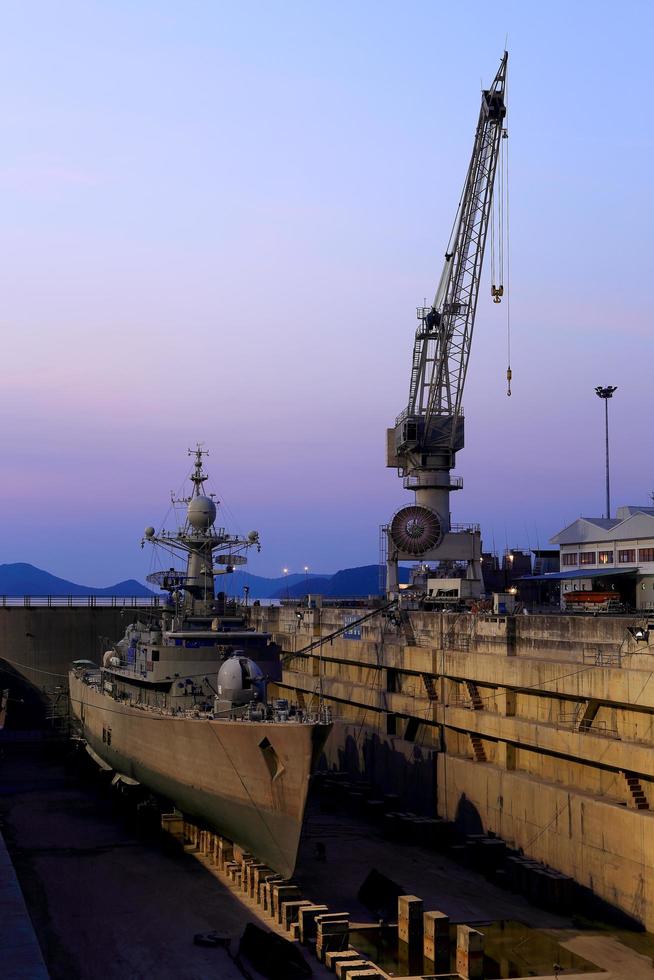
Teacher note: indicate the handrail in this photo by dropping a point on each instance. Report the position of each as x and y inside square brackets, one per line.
[70, 601]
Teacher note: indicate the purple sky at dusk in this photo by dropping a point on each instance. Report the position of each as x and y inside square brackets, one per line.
[217, 221]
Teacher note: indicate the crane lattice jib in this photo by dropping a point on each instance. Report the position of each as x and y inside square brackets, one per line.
[443, 338]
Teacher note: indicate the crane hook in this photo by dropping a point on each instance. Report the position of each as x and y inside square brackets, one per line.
[497, 292]
[509, 375]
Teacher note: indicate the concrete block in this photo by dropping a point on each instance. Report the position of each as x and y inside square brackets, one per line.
[225, 853]
[211, 847]
[257, 874]
[436, 943]
[345, 968]
[374, 810]
[282, 892]
[266, 891]
[409, 920]
[327, 922]
[173, 824]
[263, 880]
[332, 933]
[340, 956]
[307, 921]
[249, 877]
[245, 873]
[469, 953]
[290, 912]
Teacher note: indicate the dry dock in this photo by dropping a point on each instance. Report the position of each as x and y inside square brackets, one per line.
[105, 903]
[538, 728]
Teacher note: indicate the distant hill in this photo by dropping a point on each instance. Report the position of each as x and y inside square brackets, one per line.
[20, 579]
[266, 588]
[361, 581]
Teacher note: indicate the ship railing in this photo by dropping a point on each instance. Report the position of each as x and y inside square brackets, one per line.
[74, 601]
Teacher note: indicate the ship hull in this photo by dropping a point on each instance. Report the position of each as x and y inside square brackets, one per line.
[246, 780]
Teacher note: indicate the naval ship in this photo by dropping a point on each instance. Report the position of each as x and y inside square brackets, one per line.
[180, 704]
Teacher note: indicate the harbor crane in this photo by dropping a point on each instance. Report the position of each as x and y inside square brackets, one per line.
[430, 431]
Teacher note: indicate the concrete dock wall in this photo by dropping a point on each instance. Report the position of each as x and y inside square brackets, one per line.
[604, 846]
[543, 726]
[39, 643]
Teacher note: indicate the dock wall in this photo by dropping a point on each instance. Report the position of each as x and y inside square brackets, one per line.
[539, 728]
[40, 642]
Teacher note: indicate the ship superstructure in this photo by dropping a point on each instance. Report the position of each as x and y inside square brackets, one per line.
[166, 660]
[179, 703]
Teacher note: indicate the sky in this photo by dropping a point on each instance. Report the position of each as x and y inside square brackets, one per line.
[217, 221]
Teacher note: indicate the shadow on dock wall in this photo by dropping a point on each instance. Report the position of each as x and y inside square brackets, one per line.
[389, 762]
[468, 819]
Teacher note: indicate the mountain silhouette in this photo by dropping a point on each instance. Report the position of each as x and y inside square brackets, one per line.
[20, 578]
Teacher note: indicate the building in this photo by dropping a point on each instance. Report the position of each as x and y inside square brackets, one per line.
[615, 554]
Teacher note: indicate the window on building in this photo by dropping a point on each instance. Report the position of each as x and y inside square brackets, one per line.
[586, 557]
[646, 554]
[626, 556]
[569, 558]
[605, 558]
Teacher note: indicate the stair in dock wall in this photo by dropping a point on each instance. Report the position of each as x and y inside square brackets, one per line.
[430, 686]
[474, 695]
[477, 748]
[638, 799]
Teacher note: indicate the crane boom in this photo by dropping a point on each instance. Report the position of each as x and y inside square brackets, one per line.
[430, 431]
[443, 338]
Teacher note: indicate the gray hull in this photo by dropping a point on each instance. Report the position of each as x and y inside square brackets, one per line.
[218, 772]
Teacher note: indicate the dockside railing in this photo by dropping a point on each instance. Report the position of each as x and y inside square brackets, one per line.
[71, 601]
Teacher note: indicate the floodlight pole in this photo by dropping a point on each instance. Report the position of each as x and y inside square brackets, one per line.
[606, 393]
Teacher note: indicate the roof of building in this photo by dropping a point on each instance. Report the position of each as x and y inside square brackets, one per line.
[632, 522]
[628, 511]
[578, 573]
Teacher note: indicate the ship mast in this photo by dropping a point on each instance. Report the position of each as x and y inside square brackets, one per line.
[198, 539]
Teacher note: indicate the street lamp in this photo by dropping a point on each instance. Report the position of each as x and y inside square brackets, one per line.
[606, 393]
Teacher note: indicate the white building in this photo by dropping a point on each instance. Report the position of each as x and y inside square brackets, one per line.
[616, 554]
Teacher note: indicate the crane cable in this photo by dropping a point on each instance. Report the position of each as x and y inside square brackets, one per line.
[509, 373]
[500, 244]
[497, 230]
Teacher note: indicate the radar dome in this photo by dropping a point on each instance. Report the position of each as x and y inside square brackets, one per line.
[201, 513]
[240, 681]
